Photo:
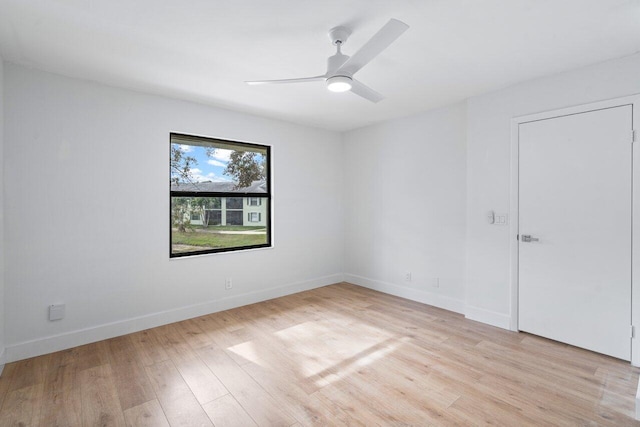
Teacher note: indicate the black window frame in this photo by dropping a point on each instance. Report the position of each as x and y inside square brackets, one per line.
[267, 196]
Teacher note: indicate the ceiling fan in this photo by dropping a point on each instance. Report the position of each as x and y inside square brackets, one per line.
[341, 68]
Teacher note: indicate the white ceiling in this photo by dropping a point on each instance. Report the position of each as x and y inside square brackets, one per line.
[203, 50]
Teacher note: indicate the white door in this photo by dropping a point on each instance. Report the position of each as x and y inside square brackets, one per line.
[574, 281]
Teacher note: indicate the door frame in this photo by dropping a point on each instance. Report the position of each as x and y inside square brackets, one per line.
[634, 101]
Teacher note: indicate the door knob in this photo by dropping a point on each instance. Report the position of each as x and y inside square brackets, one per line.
[528, 238]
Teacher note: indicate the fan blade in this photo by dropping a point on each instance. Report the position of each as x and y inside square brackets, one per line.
[301, 80]
[379, 42]
[365, 91]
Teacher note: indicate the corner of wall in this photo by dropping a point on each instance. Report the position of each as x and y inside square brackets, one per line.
[488, 317]
[425, 297]
[2, 320]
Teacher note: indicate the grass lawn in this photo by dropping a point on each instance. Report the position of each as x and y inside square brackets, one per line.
[213, 241]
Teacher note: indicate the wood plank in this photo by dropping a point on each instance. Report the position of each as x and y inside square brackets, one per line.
[132, 383]
[193, 334]
[29, 372]
[488, 410]
[348, 398]
[202, 382]
[148, 414]
[305, 408]
[179, 404]
[226, 411]
[147, 348]
[22, 407]
[100, 402]
[62, 402]
[61, 407]
[257, 402]
[90, 355]
[5, 380]
[63, 371]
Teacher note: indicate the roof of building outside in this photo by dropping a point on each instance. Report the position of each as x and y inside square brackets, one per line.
[219, 187]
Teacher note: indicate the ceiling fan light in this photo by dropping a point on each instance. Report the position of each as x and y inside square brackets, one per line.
[339, 83]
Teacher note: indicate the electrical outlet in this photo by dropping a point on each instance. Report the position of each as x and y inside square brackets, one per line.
[436, 282]
[407, 276]
[228, 283]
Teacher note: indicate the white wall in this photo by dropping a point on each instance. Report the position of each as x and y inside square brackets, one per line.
[87, 206]
[405, 180]
[405, 206]
[488, 292]
[86, 198]
[2, 342]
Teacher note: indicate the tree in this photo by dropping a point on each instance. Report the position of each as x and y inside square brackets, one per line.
[245, 167]
[181, 213]
[204, 205]
[181, 166]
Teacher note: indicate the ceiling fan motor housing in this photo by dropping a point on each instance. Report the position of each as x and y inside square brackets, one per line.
[339, 35]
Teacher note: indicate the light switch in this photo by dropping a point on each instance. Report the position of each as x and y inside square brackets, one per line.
[501, 219]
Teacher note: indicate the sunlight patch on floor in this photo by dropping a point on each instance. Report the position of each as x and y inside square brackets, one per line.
[364, 358]
[247, 350]
[324, 351]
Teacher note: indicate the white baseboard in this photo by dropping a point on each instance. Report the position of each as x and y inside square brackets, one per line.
[424, 297]
[71, 339]
[489, 317]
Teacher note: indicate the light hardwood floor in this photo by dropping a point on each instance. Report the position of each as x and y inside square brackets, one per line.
[338, 355]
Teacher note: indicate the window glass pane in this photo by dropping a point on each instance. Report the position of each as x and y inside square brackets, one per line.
[206, 215]
[198, 226]
[213, 217]
[234, 202]
[216, 166]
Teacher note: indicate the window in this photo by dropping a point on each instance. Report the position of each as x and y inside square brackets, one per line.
[210, 180]
[234, 203]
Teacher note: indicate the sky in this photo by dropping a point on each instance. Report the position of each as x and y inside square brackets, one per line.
[208, 168]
